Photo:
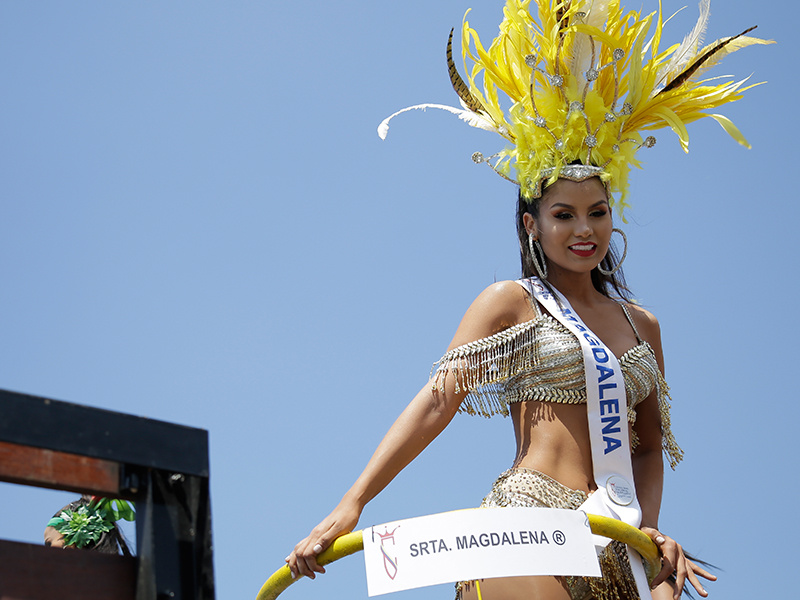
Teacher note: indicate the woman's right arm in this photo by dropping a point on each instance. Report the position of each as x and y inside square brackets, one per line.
[422, 420]
[498, 307]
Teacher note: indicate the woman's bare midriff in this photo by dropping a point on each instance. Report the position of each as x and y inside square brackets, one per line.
[554, 438]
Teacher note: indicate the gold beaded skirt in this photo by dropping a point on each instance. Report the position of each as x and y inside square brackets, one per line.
[527, 487]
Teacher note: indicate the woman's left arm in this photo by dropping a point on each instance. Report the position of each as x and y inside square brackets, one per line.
[648, 473]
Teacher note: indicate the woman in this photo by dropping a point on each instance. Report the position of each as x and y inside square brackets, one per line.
[573, 225]
[90, 523]
[581, 90]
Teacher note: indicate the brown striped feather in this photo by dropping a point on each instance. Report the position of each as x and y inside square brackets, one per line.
[461, 88]
[681, 78]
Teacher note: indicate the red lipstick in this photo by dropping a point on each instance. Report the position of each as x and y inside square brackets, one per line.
[584, 250]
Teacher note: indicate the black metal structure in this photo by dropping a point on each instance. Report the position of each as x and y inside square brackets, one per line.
[160, 466]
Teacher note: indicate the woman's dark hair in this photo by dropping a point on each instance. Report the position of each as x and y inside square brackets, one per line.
[607, 285]
[110, 542]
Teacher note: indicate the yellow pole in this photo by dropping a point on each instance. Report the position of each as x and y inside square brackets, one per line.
[354, 542]
[345, 545]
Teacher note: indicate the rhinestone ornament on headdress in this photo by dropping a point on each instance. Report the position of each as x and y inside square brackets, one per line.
[585, 82]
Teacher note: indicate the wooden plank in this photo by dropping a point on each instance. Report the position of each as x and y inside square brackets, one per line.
[30, 572]
[58, 470]
[104, 434]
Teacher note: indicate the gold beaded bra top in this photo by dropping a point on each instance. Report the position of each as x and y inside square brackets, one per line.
[540, 360]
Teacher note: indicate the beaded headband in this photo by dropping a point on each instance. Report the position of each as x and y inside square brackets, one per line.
[584, 83]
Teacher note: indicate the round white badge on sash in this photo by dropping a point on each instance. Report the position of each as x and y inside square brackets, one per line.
[619, 490]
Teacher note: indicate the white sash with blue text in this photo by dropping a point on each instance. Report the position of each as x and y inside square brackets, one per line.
[607, 409]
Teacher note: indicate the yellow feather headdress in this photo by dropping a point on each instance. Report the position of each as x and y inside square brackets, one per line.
[583, 83]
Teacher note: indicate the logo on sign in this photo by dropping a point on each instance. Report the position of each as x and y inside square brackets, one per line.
[389, 563]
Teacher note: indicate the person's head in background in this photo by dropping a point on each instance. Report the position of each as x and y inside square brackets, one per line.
[90, 525]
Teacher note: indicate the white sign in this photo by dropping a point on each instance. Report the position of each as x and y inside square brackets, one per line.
[477, 544]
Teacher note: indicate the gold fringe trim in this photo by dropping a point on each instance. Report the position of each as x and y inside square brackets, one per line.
[670, 446]
[617, 582]
[480, 367]
[644, 357]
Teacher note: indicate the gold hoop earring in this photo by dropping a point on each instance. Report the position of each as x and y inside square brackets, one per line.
[621, 260]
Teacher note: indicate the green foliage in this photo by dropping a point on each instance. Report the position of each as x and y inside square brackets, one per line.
[86, 524]
[83, 526]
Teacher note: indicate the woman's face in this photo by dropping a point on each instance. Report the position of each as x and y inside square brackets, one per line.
[53, 538]
[574, 225]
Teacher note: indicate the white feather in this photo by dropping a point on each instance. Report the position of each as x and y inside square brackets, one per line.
[471, 118]
[690, 46]
[596, 16]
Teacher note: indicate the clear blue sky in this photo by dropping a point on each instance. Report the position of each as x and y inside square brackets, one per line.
[199, 224]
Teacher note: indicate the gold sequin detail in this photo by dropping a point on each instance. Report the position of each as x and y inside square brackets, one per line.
[528, 487]
[541, 360]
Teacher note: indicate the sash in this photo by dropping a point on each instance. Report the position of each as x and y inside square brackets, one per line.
[607, 410]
